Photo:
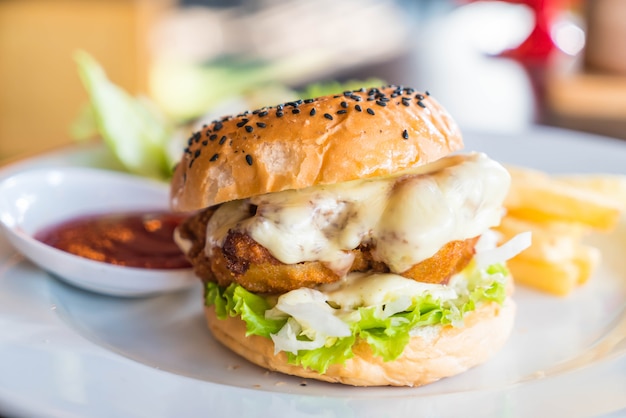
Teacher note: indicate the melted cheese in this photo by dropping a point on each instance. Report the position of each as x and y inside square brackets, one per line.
[406, 218]
[363, 289]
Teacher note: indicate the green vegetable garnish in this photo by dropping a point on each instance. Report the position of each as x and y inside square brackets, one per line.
[133, 128]
[335, 87]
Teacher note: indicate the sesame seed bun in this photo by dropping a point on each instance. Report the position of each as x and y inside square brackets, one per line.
[331, 139]
[428, 357]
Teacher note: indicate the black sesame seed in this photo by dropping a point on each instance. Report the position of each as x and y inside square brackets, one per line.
[344, 105]
[419, 96]
[421, 104]
[309, 100]
[279, 114]
[205, 142]
[371, 111]
[295, 111]
[249, 159]
[328, 116]
[280, 107]
[261, 125]
[405, 134]
[217, 126]
[242, 123]
[381, 103]
[214, 157]
[371, 98]
[358, 108]
[383, 98]
[196, 154]
[249, 128]
[427, 93]
[222, 140]
[312, 112]
[263, 113]
[342, 111]
[213, 137]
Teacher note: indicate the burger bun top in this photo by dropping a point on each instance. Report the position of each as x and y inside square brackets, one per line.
[354, 135]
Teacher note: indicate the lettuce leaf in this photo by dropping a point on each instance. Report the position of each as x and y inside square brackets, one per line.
[133, 128]
[387, 336]
[234, 301]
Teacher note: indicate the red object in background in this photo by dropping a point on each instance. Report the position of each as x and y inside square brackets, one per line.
[533, 54]
[539, 44]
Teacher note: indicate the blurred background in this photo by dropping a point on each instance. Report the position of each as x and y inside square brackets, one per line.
[495, 65]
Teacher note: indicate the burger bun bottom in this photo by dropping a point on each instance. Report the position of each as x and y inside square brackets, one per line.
[436, 353]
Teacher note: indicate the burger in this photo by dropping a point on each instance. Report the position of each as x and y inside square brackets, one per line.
[344, 238]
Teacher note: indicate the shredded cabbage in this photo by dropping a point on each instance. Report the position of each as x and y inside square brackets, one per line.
[309, 308]
[508, 250]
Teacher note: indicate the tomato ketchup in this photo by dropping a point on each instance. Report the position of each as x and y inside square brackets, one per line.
[131, 239]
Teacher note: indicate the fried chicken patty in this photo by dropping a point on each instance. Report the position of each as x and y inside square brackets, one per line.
[244, 261]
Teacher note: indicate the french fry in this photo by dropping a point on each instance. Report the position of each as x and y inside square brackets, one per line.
[556, 262]
[555, 278]
[611, 186]
[551, 241]
[511, 226]
[559, 211]
[587, 258]
[538, 197]
[558, 278]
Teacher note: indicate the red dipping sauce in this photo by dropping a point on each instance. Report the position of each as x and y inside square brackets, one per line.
[133, 239]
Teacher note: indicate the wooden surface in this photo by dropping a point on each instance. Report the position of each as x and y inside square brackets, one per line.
[588, 92]
[588, 95]
[40, 92]
[586, 101]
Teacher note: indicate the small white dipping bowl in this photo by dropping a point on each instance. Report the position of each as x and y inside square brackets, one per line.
[33, 200]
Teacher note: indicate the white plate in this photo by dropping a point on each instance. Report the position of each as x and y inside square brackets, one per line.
[65, 352]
